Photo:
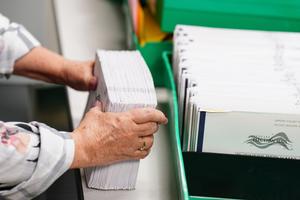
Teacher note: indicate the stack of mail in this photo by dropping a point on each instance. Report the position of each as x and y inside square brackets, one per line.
[238, 91]
[124, 82]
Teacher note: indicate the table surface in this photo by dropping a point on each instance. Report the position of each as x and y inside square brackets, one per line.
[83, 27]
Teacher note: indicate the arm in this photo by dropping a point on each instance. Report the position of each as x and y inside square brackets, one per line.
[21, 54]
[48, 66]
[33, 155]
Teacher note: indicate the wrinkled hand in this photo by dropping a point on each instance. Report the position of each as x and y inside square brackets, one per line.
[79, 75]
[105, 138]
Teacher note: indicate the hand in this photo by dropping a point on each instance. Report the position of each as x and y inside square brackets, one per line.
[105, 138]
[79, 75]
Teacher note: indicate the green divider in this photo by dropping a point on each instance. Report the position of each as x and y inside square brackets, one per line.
[152, 52]
[280, 15]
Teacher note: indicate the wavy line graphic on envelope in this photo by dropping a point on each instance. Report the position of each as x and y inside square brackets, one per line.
[263, 142]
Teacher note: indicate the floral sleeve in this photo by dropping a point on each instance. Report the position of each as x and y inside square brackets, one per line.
[32, 157]
[19, 150]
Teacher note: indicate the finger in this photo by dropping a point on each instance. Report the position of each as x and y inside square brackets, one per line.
[92, 83]
[150, 131]
[141, 154]
[96, 108]
[90, 79]
[99, 105]
[146, 126]
[144, 115]
[145, 143]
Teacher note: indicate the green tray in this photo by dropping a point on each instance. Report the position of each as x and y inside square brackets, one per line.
[209, 176]
[280, 15]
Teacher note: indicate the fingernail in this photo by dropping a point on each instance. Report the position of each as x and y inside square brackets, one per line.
[166, 121]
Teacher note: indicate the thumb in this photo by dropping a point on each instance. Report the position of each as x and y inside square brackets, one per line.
[92, 84]
[90, 78]
[99, 105]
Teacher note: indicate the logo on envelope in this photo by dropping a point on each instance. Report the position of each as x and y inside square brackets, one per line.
[264, 142]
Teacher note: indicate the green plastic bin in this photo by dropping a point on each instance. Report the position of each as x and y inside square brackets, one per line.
[209, 176]
[280, 15]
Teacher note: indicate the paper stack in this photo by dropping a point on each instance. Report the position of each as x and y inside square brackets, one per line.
[124, 82]
[238, 90]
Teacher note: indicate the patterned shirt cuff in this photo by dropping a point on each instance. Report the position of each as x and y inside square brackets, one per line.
[55, 157]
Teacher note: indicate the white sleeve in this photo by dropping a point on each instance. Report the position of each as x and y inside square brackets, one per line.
[32, 157]
[15, 42]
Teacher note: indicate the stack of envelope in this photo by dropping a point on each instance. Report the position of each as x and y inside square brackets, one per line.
[124, 83]
[238, 91]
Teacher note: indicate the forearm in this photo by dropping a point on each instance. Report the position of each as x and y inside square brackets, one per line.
[21, 54]
[42, 64]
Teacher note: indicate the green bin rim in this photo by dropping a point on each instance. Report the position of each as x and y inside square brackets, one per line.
[180, 164]
[175, 122]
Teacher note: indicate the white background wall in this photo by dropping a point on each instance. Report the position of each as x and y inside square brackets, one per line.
[36, 15]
